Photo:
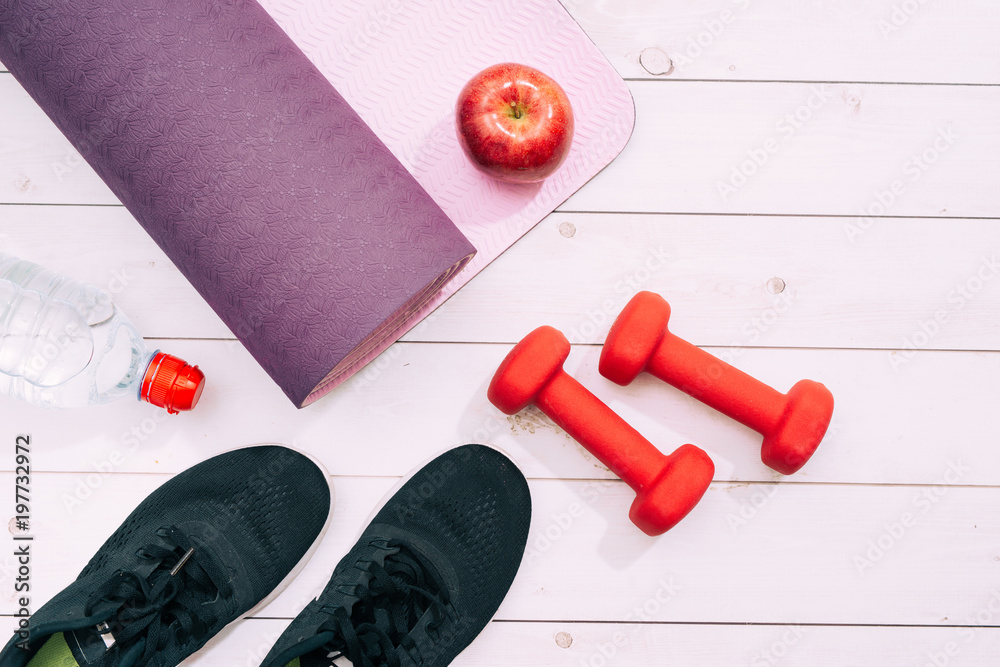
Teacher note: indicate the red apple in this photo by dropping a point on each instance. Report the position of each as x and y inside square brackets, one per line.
[515, 123]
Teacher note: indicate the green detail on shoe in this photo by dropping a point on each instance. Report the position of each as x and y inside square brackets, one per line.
[293, 663]
[54, 653]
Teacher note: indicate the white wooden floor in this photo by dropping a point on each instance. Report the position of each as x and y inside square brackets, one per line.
[814, 188]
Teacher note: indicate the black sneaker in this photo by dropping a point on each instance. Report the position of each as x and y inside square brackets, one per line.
[196, 554]
[427, 574]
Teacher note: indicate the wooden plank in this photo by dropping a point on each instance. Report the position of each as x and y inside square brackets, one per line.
[733, 282]
[743, 40]
[830, 149]
[879, 40]
[847, 283]
[244, 644]
[900, 426]
[692, 141]
[840, 554]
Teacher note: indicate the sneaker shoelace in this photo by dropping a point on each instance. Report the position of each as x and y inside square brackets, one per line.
[397, 593]
[164, 604]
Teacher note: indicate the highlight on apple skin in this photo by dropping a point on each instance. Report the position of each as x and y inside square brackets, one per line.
[514, 123]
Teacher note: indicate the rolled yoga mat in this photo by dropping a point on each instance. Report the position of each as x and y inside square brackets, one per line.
[259, 181]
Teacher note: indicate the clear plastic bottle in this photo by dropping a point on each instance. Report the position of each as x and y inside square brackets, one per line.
[120, 365]
[93, 303]
[44, 341]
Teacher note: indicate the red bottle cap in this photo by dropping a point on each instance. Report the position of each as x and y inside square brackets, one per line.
[172, 383]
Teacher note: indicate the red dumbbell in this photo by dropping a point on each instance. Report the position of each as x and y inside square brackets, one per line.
[667, 487]
[792, 424]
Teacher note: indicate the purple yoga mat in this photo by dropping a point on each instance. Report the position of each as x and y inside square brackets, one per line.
[270, 194]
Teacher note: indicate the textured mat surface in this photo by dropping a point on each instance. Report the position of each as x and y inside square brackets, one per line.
[299, 223]
[270, 194]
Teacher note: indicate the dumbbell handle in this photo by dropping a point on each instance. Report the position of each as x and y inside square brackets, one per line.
[716, 383]
[599, 428]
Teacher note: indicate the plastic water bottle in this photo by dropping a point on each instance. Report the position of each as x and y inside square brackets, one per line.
[44, 341]
[70, 346]
[93, 303]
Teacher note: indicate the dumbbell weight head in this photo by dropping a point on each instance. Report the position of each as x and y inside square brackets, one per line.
[634, 336]
[803, 424]
[527, 369]
[679, 486]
